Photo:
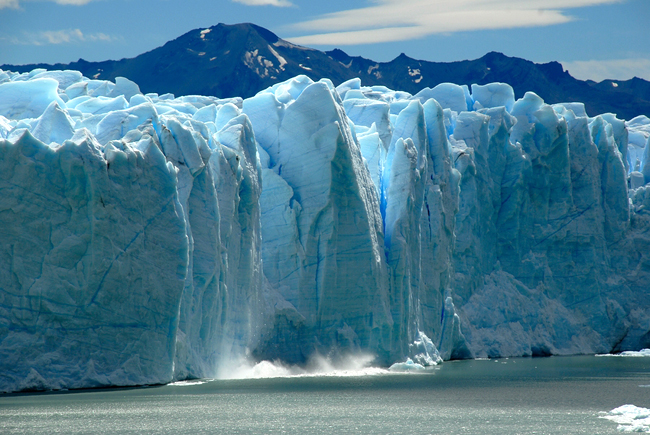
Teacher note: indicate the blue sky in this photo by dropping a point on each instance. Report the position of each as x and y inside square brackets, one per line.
[594, 39]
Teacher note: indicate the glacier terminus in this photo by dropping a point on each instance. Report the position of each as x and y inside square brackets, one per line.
[149, 238]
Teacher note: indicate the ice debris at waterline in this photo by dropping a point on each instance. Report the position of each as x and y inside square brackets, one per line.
[148, 239]
[630, 418]
[630, 353]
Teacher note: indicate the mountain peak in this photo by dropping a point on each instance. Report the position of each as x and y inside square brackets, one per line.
[553, 69]
[495, 55]
[242, 29]
[228, 60]
[338, 54]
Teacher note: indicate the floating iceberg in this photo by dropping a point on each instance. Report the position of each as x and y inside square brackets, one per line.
[150, 239]
[630, 418]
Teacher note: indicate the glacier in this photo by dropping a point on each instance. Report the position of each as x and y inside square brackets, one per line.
[151, 238]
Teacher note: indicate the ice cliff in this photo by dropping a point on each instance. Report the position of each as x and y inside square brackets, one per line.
[147, 238]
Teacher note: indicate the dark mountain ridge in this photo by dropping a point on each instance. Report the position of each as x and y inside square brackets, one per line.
[242, 59]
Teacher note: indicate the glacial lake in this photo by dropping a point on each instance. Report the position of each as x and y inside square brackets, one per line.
[556, 395]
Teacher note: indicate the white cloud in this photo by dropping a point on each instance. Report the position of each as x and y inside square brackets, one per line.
[278, 3]
[67, 36]
[59, 36]
[14, 4]
[399, 20]
[615, 69]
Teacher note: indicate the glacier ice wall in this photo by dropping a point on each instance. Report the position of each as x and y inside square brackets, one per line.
[148, 238]
[132, 234]
[86, 236]
[322, 232]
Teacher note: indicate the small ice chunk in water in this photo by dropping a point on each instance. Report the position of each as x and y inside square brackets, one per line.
[407, 366]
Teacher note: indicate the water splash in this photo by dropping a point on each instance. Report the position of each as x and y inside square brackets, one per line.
[350, 365]
[188, 383]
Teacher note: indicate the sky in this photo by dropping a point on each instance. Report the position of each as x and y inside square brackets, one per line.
[593, 39]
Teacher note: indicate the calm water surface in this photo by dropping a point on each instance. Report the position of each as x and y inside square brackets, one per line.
[559, 395]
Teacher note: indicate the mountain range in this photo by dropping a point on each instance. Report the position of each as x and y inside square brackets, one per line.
[242, 59]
